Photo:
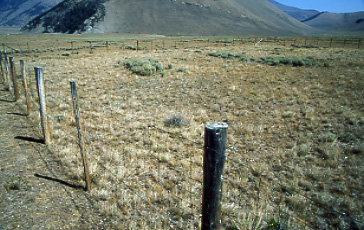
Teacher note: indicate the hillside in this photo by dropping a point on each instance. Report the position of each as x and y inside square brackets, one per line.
[16, 13]
[297, 13]
[338, 21]
[169, 17]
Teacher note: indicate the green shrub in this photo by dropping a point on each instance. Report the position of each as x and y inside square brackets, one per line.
[306, 46]
[143, 66]
[287, 60]
[66, 54]
[182, 70]
[222, 54]
[130, 47]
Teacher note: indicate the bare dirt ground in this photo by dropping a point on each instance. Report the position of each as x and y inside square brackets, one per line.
[33, 194]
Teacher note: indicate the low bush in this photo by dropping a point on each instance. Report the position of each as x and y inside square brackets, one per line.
[288, 60]
[175, 120]
[182, 70]
[306, 46]
[222, 54]
[143, 66]
[130, 47]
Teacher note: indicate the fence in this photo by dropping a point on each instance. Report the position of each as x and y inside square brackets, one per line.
[146, 157]
[167, 44]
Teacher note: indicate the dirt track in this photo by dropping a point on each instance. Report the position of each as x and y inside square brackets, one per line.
[34, 193]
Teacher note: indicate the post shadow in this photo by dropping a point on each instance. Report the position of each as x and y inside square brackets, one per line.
[59, 181]
[30, 139]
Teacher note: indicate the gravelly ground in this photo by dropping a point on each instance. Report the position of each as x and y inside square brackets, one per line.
[34, 193]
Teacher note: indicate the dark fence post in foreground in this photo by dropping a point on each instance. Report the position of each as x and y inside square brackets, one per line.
[80, 137]
[213, 166]
[13, 77]
[43, 105]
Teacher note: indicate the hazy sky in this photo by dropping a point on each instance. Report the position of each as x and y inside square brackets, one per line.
[336, 6]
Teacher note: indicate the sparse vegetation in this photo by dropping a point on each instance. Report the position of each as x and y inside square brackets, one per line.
[294, 140]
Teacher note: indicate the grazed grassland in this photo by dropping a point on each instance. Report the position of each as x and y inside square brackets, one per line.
[300, 127]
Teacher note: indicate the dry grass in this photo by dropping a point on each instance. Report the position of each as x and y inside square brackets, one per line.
[300, 126]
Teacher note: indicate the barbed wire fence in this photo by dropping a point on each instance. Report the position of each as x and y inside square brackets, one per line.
[149, 175]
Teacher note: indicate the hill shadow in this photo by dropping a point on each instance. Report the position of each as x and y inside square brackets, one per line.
[18, 114]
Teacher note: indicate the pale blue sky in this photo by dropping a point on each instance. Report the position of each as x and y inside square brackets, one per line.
[336, 6]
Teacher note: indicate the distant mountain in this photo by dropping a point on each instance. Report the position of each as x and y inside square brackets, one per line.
[338, 21]
[334, 22]
[297, 13]
[16, 13]
[169, 17]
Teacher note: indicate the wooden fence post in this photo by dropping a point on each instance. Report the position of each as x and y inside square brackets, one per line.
[2, 68]
[80, 136]
[7, 71]
[43, 105]
[13, 77]
[137, 45]
[213, 166]
[25, 83]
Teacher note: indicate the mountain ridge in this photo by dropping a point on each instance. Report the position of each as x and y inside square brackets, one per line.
[170, 17]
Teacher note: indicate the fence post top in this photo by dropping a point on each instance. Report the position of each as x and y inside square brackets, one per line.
[38, 67]
[216, 125]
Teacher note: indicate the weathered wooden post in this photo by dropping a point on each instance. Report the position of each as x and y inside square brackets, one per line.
[213, 166]
[25, 83]
[2, 68]
[137, 45]
[80, 136]
[43, 105]
[7, 71]
[13, 77]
